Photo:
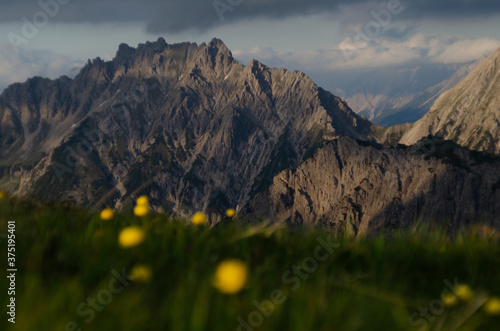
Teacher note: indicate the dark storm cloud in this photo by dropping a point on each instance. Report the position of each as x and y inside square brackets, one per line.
[177, 16]
[78, 11]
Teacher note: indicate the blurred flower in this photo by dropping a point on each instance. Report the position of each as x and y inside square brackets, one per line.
[141, 211]
[107, 214]
[230, 213]
[464, 292]
[142, 201]
[141, 273]
[449, 299]
[492, 306]
[230, 276]
[131, 236]
[3, 195]
[198, 219]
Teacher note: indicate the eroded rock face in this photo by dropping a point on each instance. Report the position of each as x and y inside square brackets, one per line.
[469, 113]
[354, 187]
[186, 124]
[192, 128]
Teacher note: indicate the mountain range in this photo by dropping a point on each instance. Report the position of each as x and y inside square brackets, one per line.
[397, 95]
[194, 129]
[185, 124]
[469, 113]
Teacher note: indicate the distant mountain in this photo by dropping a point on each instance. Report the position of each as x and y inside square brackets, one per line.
[399, 95]
[420, 105]
[469, 113]
[185, 124]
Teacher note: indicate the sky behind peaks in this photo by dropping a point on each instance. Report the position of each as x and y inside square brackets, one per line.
[320, 37]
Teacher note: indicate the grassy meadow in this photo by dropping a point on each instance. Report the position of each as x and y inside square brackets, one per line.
[77, 271]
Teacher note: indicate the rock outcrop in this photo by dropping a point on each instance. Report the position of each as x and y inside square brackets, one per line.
[358, 188]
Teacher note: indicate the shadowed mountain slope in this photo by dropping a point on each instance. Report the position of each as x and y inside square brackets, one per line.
[185, 123]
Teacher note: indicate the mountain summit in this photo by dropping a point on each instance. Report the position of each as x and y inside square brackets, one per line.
[185, 124]
[469, 113]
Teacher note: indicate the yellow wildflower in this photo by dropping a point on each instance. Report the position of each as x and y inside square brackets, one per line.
[141, 273]
[449, 299]
[230, 276]
[230, 213]
[198, 219]
[464, 292]
[131, 236]
[492, 306]
[3, 195]
[107, 214]
[142, 201]
[141, 211]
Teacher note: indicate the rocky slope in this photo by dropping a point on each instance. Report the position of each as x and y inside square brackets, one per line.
[468, 114]
[357, 188]
[186, 124]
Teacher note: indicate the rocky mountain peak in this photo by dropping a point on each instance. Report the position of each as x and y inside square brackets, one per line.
[220, 46]
[124, 52]
[158, 46]
[216, 56]
[469, 113]
[183, 123]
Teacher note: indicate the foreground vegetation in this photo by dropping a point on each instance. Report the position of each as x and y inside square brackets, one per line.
[72, 266]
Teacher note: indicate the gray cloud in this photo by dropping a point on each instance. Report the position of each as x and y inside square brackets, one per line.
[28, 63]
[400, 33]
[176, 16]
[384, 52]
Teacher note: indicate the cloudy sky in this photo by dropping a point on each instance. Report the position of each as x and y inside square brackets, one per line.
[320, 37]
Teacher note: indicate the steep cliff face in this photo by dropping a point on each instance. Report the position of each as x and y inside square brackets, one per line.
[186, 124]
[357, 187]
[469, 113]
